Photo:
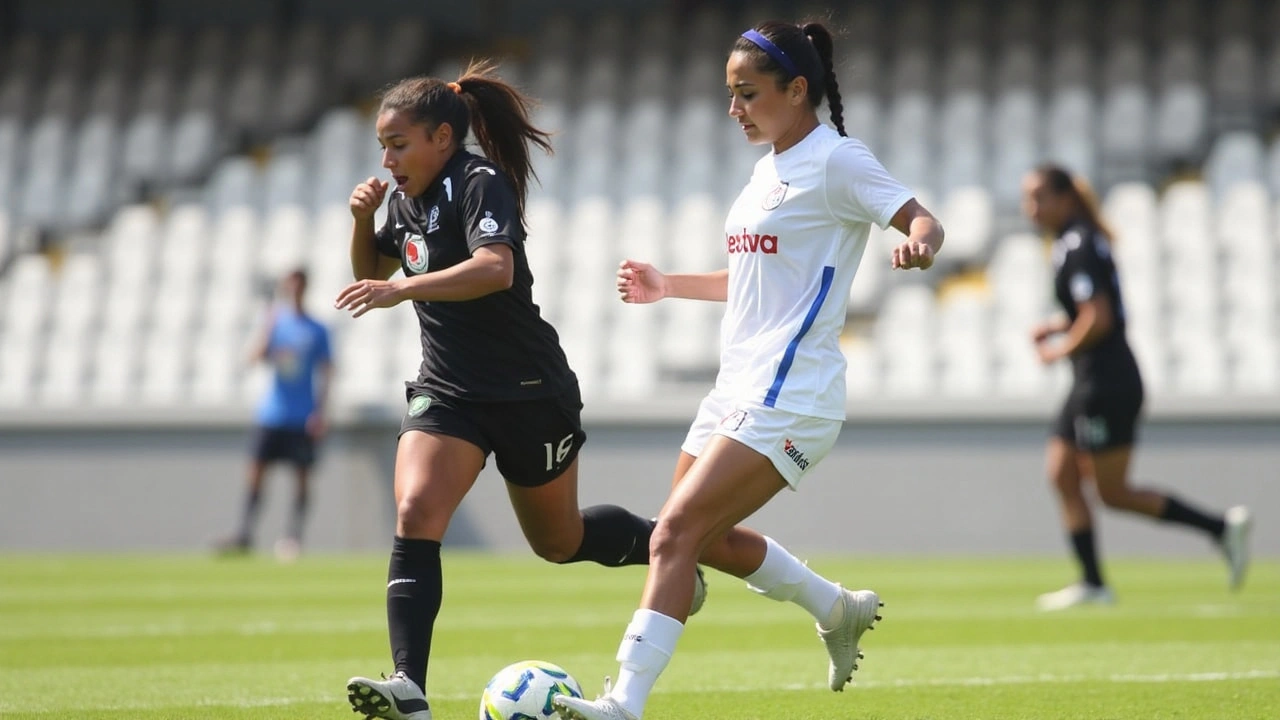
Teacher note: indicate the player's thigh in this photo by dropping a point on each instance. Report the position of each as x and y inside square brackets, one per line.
[440, 454]
[726, 484]
[1110, 470]
[536, 446]
[683, 463]
[548, 514]
[1062, 465]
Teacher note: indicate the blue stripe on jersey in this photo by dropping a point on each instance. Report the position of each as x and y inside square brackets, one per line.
[789, 356]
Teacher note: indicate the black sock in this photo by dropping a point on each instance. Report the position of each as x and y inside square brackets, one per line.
[299, 517]
[613, 537]
[1087, 554]
[1176, 511]
[249, 515]
[414, 592]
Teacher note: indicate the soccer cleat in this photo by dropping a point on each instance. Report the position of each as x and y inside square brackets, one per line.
[234, 546]
[288, 549]
[602, 708]
[1235, 543]
[393, 698]
[1080, 593]
[699, 593]
[860, 613]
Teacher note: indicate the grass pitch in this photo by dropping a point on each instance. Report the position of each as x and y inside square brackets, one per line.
[188, 637]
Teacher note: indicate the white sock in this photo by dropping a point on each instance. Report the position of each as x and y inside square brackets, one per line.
[644, 653]
[783, 577]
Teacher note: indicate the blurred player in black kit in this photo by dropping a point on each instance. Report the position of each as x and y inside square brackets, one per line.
[1095, 433]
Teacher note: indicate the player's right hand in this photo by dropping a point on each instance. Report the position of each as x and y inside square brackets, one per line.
[640, 282]
[367, 198]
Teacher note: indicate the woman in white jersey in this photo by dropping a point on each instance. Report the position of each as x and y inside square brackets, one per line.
[794, 238]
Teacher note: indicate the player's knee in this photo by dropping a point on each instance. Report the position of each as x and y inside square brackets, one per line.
[415, 519]
[557, 550]
[1116, 497]
[1064, 482]
[675, 534]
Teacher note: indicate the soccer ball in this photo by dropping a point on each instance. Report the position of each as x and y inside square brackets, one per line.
[523, 691]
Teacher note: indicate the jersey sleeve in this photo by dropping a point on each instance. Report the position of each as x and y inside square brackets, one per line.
[1085, 272]
[859, 189]
[383, 240]
[489, 211]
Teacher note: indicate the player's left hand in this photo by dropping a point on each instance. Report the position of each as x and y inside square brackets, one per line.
[1048, 352]
[317, 425]
[912, 254]
[362, 296]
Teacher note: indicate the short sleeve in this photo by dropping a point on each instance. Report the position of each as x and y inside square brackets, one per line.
[385, 242]
[1085, 272]
[490, 213]
[859, 189]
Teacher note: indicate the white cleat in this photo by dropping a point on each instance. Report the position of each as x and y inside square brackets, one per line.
[287, 550]
[602, 708]
[861, 611]
[1080, 593]
[1235, 543]
[699, 592]
[605, 708]
[393, 698]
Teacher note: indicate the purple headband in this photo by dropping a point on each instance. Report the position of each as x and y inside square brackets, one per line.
[773, 51]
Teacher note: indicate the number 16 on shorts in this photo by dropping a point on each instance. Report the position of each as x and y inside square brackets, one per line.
[557, 452]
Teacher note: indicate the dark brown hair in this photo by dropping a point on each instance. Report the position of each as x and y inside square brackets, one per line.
[811, 48]
[1061, 181]
[482, 102]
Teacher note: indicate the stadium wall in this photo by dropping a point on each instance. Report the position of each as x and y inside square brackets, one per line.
[922, 486]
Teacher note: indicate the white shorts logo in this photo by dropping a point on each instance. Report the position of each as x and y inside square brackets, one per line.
[794, 453]
[734, 420]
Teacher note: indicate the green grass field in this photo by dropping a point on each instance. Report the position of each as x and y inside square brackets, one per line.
[192, 637]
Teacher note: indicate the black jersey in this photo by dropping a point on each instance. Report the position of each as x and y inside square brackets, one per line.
[1085, 269]
[493, 348]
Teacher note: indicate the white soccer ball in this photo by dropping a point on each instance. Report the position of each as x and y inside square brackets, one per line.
[523, 691]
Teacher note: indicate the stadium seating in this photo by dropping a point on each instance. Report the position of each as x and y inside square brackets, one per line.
[198, 164]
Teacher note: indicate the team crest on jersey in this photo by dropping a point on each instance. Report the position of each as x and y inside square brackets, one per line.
[775, 197]
[488, 225]
[433, 220]
[415, 253]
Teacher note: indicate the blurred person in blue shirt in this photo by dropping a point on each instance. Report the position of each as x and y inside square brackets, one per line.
[290, 417]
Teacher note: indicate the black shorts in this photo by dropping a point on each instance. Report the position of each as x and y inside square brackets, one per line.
[1095, 420]
[278, 444]
[533, 441]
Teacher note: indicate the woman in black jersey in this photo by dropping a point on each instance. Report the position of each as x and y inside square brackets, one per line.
[493, 378]
[1096, 430]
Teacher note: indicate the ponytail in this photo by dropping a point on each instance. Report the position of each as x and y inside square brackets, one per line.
[1092, 209]
[1061, 181]
[820, 36]
[500, 119]
[481, 101]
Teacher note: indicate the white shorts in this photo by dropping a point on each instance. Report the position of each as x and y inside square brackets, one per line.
[794, 443]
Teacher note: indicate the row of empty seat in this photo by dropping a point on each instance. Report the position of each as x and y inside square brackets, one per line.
[98, 123]
[1199, 277]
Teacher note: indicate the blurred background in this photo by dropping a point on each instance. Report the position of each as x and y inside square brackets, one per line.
[163, 162]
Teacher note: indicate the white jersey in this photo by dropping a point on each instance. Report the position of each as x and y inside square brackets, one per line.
[794, 237]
